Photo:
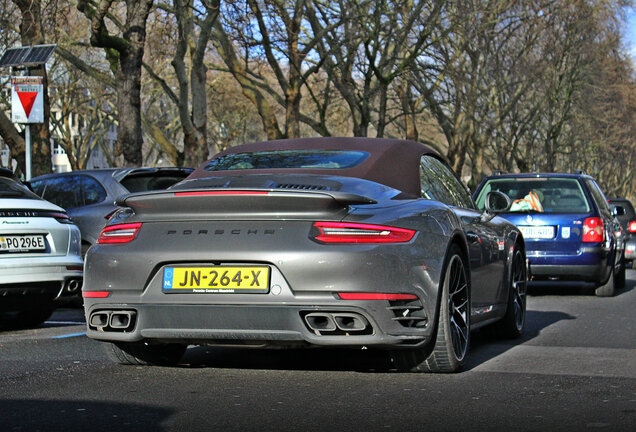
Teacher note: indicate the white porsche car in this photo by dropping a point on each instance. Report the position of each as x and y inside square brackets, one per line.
[40, 256]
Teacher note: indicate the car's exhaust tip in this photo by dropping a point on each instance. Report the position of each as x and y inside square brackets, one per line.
[72, 286]
[99, 319]
[350, 322]
[112, 320]
[337, 323]
[320, 322]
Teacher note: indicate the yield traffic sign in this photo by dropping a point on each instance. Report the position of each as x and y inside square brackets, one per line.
[27, 99]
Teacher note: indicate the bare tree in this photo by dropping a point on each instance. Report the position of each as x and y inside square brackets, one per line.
[376, 43]
[125, 54]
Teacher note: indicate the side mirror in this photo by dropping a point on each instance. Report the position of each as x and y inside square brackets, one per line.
[618, 211]
[496, 202]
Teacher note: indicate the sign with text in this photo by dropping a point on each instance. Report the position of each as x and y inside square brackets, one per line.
[27, 99]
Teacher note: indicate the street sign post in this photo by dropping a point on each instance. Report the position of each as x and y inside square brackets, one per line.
[27, 92]
[27, 106]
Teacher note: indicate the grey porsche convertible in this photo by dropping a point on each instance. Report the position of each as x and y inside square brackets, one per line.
[324, 242]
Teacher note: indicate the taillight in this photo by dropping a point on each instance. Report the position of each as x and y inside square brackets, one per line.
[593, 231]
[61, 218]
[346, 232]
[122, 233]
[632, 226]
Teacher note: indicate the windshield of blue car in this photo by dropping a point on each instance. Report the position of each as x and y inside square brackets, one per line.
[12, 189]
[539, 194]
[279, 159]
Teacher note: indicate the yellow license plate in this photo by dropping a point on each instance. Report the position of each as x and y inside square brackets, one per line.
[217, 279]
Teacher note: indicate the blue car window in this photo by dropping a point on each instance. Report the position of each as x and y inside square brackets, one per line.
[554, 194]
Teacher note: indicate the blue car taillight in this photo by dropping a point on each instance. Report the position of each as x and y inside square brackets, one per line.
[593, 231]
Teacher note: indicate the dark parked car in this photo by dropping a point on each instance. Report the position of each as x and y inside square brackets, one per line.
[627, 219]
[89, 195]
[40, 261]
[353, 242]
[568, 226]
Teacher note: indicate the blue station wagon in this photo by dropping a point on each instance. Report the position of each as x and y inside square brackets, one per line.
[568, 227]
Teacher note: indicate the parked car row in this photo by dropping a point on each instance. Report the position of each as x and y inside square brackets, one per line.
[353, 242]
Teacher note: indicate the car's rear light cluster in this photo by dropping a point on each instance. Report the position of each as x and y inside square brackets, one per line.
[632, 226]
[593, 230]
[347, 232]
[120, 233]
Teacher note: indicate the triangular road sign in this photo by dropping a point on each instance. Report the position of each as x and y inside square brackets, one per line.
[27, 99]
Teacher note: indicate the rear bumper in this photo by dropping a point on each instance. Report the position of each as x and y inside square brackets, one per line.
[569, 273]
[40, 281]
[590, 265]
[250, 324]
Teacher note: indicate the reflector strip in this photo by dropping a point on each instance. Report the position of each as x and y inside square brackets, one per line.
[95, 294]
[74, 268]
[221, 193]
[376, 296]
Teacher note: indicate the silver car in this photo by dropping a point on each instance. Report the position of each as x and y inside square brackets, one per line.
[40, 256]
[354, 242]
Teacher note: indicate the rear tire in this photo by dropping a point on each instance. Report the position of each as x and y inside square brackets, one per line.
[453, 325]
[143, 354]
[511, 325]
[619, 280]
[608, 288]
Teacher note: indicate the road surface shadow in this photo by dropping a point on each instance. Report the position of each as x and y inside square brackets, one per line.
[484, 346]
[578, 288]
[79, 415]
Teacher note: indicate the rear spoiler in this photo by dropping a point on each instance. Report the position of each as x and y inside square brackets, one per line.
[242, 203]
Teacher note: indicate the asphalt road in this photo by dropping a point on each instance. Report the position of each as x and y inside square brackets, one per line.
[574, 370]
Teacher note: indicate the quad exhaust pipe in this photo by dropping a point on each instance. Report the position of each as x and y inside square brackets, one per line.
[115, 320]
[336, 322]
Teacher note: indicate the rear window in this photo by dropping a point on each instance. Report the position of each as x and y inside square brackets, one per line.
[554, 195]
[151, 182]
[304, 159]
[12, 189]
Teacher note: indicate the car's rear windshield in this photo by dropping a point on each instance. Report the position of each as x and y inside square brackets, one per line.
[12, 189]
[278, 159]
[151, 181]
[554, 195]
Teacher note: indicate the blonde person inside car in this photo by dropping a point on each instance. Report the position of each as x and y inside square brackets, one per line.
[532, 201]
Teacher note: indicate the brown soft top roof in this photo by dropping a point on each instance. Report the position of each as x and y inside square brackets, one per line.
[391, 162]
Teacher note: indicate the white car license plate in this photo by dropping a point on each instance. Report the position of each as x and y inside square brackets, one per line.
[22, 243]
[540, 232]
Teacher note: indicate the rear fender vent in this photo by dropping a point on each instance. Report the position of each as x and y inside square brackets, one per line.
[299, 186]
[409, 313]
